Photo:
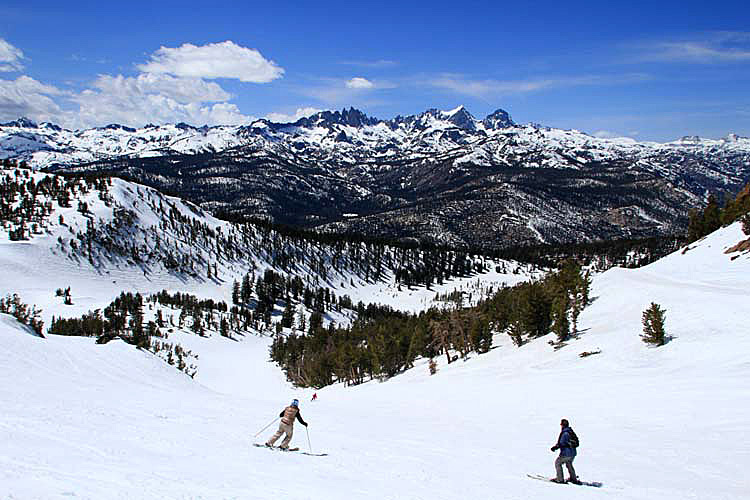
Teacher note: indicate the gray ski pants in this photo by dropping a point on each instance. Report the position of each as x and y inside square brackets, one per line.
[283, 428]
[568, 461]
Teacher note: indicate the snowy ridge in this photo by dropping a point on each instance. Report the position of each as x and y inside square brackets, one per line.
[350, 137]
[134, 238]
[111, 422]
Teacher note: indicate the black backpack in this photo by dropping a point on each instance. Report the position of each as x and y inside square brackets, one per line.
[573, 441]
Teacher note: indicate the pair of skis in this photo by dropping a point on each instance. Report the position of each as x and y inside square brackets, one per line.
[288, 450]
[539, 477]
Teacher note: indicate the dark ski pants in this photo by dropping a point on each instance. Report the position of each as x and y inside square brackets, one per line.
[568, 461]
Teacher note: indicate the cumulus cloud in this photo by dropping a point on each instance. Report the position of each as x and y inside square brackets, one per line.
[27, 97]
[10, 57]
[215, 60]
[359, 83]
[291, 118]
[149, 98]
[183, 90]
[174, 86]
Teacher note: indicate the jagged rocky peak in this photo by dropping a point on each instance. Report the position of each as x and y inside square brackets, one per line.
[498, 119]
[116, 126]
[735, 138]
[352, 117]
[51, 126]
[22, 122]
[461, 118]
[690, 139]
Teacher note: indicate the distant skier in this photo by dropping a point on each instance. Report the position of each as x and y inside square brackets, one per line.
[566, 443]
[286, 425]
[315, 396]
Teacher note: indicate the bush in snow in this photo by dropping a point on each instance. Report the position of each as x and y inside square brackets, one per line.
[433, 366]
[746, 224]
[653, 325]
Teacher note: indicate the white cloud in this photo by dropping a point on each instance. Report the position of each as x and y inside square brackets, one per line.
[702, 52]
[10, 57]
[716, 47]
[291, 118]
[149, 98]
[489, 87]
[183, 90]
[380, 63]
[215, 60]
[359, 83]
[27, 97]
[606, 134]
[355, 91]
[173, 87]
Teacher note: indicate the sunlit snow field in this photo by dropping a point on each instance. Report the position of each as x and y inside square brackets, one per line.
[81, 420]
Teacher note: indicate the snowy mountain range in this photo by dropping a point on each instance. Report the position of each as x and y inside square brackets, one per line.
[439, 176]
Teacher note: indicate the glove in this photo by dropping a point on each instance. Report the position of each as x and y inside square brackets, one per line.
[554, 448]
[306, 425]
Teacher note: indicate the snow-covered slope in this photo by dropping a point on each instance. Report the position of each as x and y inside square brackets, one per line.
[120, 236]
[101, 422]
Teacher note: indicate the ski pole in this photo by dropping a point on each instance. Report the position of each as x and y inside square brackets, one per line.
[308, 439]
[266, 427]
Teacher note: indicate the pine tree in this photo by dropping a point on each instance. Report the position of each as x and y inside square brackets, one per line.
[287, 318]
[653, 325]
[560, 321]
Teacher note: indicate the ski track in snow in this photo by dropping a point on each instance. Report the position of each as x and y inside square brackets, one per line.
[94, 421]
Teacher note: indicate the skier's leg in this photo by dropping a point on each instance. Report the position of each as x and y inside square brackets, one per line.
[289, 431]
[558, 468]
[276, 436]
[571, 470]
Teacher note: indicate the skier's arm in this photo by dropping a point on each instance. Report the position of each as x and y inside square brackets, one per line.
[282, 412]
[299, 417]
[562, 440]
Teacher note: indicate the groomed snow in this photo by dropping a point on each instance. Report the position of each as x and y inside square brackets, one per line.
[89, 421]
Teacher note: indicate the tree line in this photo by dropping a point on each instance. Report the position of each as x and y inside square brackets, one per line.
[715, 215]
[382, 342]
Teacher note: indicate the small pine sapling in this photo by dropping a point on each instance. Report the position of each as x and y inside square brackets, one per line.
[653, 325]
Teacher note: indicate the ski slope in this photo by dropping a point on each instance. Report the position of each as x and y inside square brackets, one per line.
[105, 422]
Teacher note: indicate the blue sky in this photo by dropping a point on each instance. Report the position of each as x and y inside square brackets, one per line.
[650, 70]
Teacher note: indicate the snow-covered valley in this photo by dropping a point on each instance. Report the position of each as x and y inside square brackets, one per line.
[84, 420]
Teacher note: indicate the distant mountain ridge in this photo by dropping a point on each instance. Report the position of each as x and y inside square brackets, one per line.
[440, 176]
